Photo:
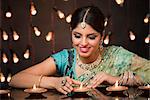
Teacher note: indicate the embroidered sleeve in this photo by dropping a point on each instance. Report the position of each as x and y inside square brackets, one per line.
[122, 59]
[61, 59]
[141, 67]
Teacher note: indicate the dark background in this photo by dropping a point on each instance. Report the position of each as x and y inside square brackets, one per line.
[123, 19]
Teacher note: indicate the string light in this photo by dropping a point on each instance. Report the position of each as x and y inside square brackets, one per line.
[5, 35]
[2, 78]
[68, 18]
[60, 14]
[15, 35]
[9, 78]
[146, 19]
[49, 36]
[131, 35]
[27, 54]
[36, 31]
[120, 2]
[33, 9]
[8, 14]
[15, 58]
[105, 21]
[147, 39]
[106, 40]
[4, 58]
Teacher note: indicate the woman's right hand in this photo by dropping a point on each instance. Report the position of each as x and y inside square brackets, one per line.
[64, 84]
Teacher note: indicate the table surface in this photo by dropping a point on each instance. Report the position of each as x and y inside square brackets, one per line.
[96, 94]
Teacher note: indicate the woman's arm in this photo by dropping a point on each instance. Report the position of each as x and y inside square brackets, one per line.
[31, 75]
[138, 72]
[41, 75]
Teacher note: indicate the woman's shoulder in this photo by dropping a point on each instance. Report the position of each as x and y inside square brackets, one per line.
[65, 51]
[116, 47]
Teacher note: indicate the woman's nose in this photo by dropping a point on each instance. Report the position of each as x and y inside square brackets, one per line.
[84, 42]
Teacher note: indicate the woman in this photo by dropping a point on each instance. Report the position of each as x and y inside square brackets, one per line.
[88, 61]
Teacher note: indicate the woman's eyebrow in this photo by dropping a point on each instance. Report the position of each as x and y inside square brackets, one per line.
[93, 34]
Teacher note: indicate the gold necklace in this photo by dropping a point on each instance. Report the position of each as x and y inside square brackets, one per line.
[89, 66]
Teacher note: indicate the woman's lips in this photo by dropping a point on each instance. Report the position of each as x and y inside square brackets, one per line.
[84, 50]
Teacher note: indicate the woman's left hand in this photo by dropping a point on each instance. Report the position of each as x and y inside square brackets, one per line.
[100, 78]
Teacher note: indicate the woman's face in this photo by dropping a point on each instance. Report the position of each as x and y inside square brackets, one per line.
[86, 41]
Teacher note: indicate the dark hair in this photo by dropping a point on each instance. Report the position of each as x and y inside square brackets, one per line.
[94, 18]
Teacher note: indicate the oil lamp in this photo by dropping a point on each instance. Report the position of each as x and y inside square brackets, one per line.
[147, 87]
[81, 88]
[35, 89]
[116, 87]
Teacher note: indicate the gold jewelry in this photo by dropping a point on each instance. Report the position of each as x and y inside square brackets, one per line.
[63, 82]
[83, 23]
[89, 66]
[39, 81]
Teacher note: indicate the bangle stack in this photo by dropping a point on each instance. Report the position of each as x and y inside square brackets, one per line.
[129, 78]
[39, 81]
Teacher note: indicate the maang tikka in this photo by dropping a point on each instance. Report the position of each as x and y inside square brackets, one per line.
[83, 24]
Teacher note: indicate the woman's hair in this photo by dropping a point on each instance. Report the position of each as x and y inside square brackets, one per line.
[94, 18]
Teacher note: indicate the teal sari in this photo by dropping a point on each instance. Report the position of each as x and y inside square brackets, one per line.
[115, 61]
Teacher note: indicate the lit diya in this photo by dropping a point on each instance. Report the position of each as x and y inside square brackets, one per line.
[116, 87]
[81, 88]
[147, 87]
[35, 90]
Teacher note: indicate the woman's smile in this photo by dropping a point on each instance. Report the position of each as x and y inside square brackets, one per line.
[84, 49]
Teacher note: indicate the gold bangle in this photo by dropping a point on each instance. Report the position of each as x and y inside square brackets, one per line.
[39, 81]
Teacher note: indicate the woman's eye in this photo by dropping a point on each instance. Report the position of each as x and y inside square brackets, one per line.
[77, 36]
[92, 37]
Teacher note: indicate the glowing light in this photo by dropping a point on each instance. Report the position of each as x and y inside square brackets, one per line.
[81, 86]
[120, 2]
[106, 40]
[26, 54]
[147, 39]
[5, 36]
[106, 22]
[2, 78]
[132, 36]
[49, 36]
[34, 86]
[36, 31]
[8, 14]
[60, 14]
[4, 58]
[9, 78]
[68, 18]
[33, 9]
[116, 84]
[15, 35]
[15, 58]
[146, 19]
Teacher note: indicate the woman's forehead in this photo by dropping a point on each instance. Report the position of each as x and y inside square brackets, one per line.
[87, 29]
